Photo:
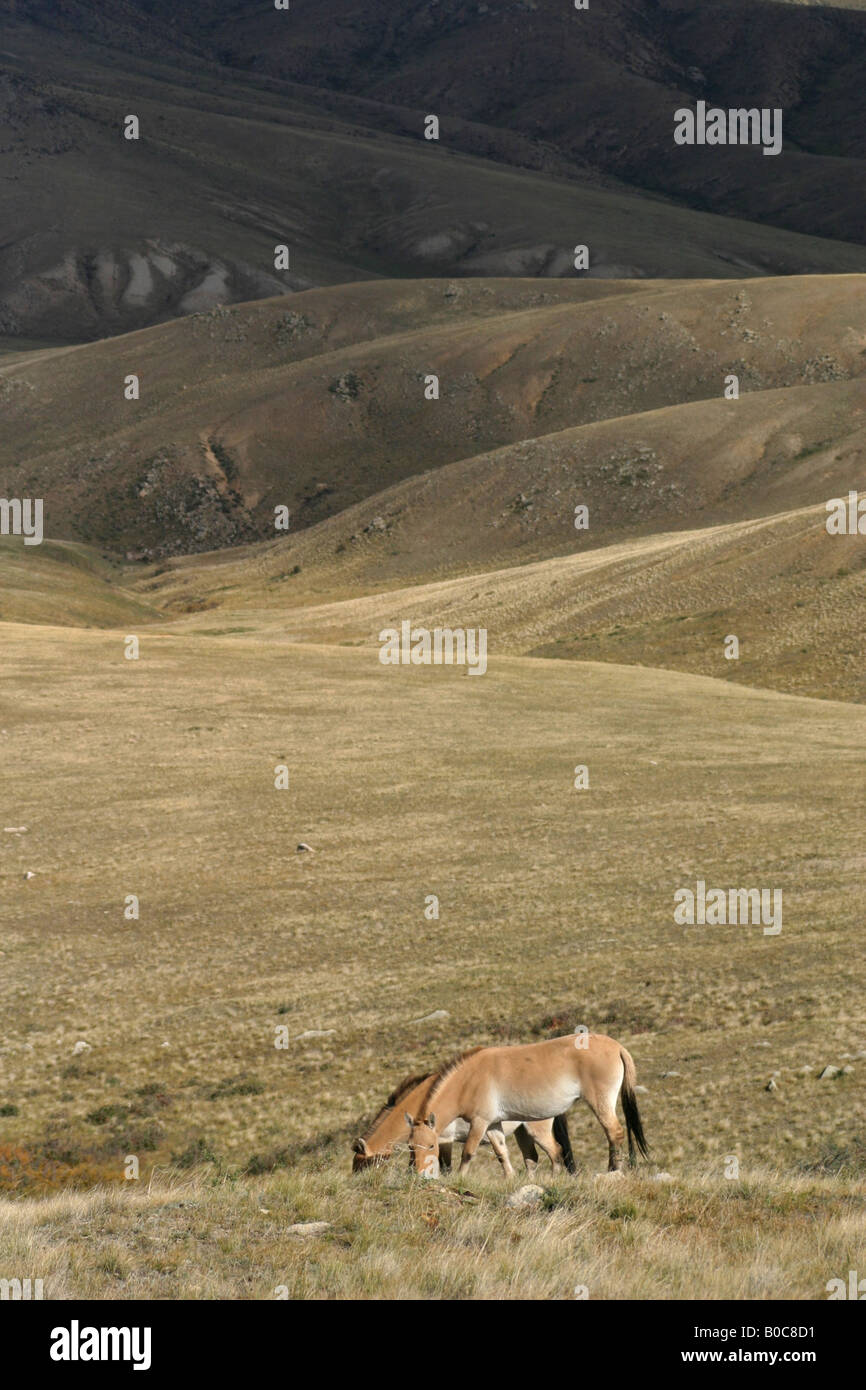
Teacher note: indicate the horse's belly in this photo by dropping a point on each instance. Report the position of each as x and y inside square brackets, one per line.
[538, 1102]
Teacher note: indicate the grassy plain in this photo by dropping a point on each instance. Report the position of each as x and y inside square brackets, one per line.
[156, 778]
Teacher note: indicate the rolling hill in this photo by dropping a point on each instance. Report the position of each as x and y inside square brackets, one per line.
[249, 140]
[596, 88]
[706, 514]
[319, 407]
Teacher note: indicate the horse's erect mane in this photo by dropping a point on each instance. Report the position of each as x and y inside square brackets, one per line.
[443, 1074]
[406, 1085]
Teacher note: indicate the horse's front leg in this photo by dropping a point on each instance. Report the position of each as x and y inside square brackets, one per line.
[477, 1130]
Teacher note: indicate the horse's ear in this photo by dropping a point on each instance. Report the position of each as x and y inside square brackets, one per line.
[408, 1118]
[359, 1147]
[431, 1120]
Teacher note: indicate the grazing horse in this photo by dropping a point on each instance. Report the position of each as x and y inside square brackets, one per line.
[390, 1128]
[490, 1085]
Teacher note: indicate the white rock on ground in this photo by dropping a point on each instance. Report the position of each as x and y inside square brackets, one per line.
[530, 1195]
[308, 1228]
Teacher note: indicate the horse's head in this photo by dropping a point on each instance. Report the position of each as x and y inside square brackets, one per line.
[365, 1157]
[423, 1145]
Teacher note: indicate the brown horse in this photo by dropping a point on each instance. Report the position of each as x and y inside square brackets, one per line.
[390, 1129]
[490, 1085]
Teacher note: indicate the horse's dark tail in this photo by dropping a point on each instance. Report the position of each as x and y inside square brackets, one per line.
[633, 1124]
[561, 1135]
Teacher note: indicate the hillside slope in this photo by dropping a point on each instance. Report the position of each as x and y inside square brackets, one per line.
[251, 140]
[790, 593]
[596, 87]
[319, 407]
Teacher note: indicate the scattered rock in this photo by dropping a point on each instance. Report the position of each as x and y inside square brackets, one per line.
[29, 874]
[530, 1195]
[663, 1177]
[309, 1228]
[828, 1073]
[823, 368]
[14, 829]
[305, 849]
[432, 1018]
[81, 1046]
[346, 387]
[315, 1033]
[771, 1085]
[641, 1090]
[290, 326]
[670, 1073]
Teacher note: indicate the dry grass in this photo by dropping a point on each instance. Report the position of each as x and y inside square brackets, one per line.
[392, 1236]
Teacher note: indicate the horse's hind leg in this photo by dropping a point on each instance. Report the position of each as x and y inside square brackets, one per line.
[615, 1135]
[523, 1134]
[604, 1110]
[497, 1143]
[541, 1131]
